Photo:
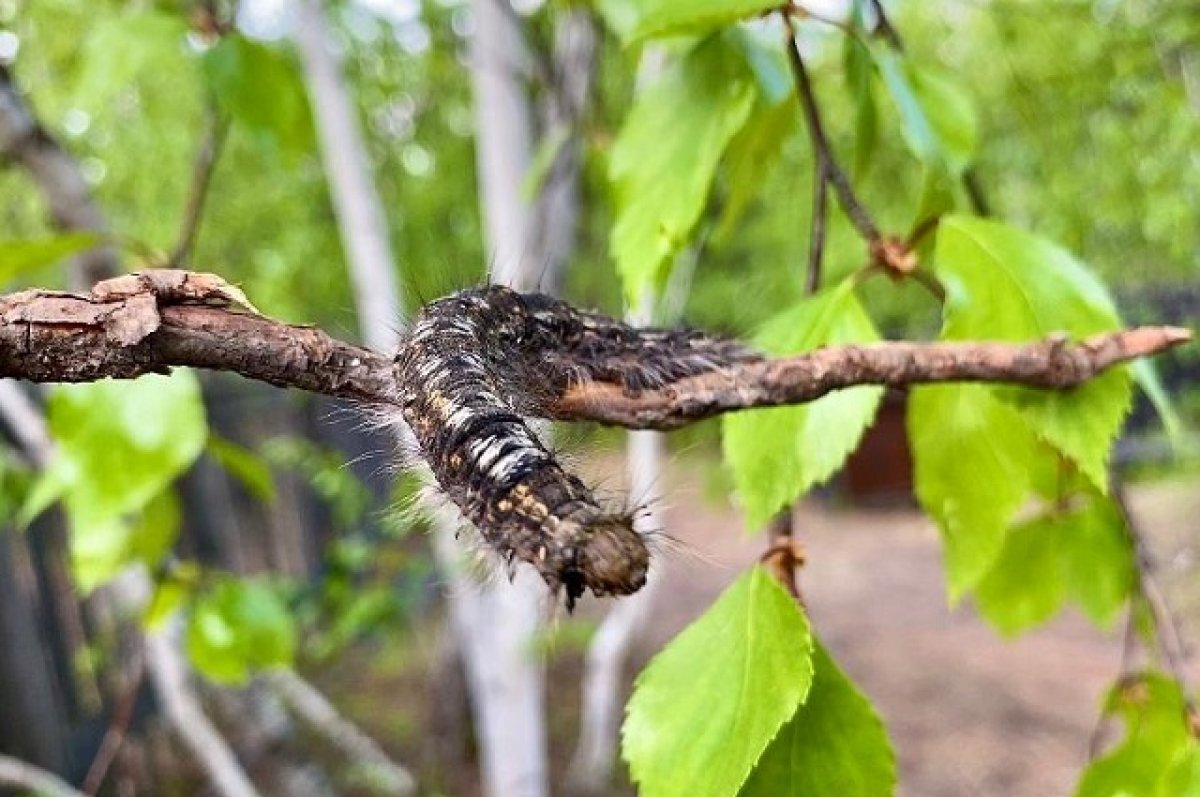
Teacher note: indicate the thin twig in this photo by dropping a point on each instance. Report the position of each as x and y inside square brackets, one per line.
[118, 727]
[884, 27]
[1128, 646]
[855, 210]
[1166, 624]
[975, 193]
[783, 554]
[816, 243]
[211, 141]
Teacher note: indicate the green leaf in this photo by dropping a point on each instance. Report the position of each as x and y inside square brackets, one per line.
[1099, 559]
[972, 457]
[239, 626]
[119, 446]
[1025, 585]
[101, 547]
[777, 454]
[170, 593]
[938, 120]
[753, 153]
[707, 706]
[834, 745]
[120, 443]
[859, 69]
[245, 465]
[1007, 284]
[666, 17]
[1182, 778]
[121, 47]
[260, 88]
[665, 157]
[1146, 376]
[1156, 735]
[20, 257]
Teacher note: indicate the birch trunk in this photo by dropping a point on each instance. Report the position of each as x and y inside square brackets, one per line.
[496, 623]
[360, 216]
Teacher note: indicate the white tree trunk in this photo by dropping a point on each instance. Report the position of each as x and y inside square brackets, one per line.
[361, 220]
[494, 626]
[496, 623]
[604, 668]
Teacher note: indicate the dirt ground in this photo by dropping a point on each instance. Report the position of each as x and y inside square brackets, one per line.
[969, 713]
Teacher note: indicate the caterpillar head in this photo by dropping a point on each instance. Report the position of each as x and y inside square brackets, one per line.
[605, 555]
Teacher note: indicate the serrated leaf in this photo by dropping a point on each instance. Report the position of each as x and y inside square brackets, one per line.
[777, 454]
[665, 158]
[835, 744]
[971, 459]
[753, 153]
[260, 88]
[667, 17]
[707, 706]
[1025, 586]
[1007, 284]
[20, 257]
[1156, 733]
[1082, 553]
[937, 118]
[239, 626]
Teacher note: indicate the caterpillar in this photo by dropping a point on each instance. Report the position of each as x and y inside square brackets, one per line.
[477, 363]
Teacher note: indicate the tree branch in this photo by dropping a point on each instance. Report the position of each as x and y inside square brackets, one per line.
[21, 775]
[160, 319]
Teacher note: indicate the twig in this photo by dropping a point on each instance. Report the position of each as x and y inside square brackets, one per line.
[152, 322]
[1166, 625]
[118, 727]
[784, 554]
[1128, 646]
[181, 707]
[857, 213]
[314, 709]
[975, 193]
[816, 243]
[884, 27]
[209, 152]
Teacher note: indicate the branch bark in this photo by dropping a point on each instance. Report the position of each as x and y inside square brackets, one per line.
[157, 320]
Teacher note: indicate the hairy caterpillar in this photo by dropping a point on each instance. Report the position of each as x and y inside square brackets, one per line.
[475, 364]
